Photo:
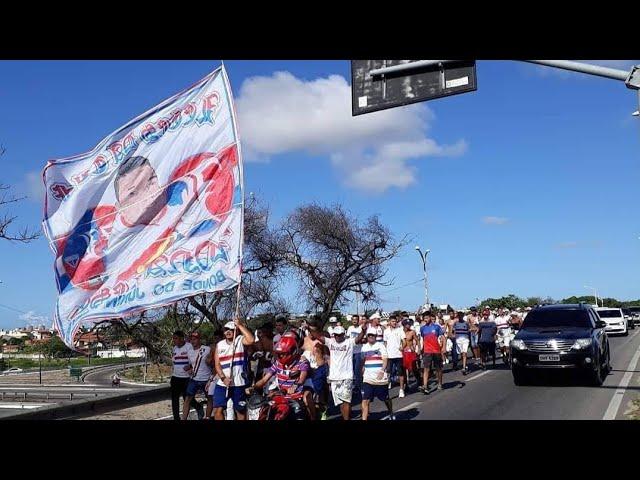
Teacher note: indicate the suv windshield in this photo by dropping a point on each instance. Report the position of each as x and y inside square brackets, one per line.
[557, 318]
[634, 309]
[609, 313]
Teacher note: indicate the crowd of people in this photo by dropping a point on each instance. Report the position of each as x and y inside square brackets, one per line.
[337, 367]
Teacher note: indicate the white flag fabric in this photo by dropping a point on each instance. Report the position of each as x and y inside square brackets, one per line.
[152, 214]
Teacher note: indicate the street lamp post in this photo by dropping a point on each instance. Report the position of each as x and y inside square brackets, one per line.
[595, 293]
[423, 257]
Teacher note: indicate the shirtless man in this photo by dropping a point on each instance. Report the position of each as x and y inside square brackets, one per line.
[410, 351]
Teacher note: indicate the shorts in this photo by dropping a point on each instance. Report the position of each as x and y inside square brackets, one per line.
[432, 361]
[237, 394]
[474, 339]
[381, 392]
[462, 345]
[319, 378]
[487, 347]
[196, 386]
[341, 391]
[408, 359]
[394, 367]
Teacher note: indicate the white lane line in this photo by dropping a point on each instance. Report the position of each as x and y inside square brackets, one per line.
[20, 406]
[478, 376]
[408, 407]
[164, 418]
[616, 400]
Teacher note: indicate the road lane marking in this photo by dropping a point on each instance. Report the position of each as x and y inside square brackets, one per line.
[408, 407]
[478, 376]
[616, 400]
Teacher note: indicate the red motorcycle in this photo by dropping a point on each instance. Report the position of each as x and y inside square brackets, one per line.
[276, 406]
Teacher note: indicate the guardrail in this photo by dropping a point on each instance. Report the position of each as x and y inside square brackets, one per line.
[85, 408]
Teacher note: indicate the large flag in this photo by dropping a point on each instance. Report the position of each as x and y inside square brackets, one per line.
[152, 214]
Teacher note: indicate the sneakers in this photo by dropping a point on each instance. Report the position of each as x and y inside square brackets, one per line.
[440, 387]
[401, 394]
[465, 371]
[324, 415]
[390, 387]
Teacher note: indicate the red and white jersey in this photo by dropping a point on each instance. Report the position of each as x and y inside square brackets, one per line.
[232, 359]
[181, 359]
[502, 321]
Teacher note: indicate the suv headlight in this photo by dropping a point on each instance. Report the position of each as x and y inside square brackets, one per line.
[518, 344]
[582, 343]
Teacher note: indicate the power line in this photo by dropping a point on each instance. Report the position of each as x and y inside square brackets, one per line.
[11, 308]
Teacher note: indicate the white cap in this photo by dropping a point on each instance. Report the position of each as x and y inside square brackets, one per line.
[338, 330]
[230, 325]
[375, 315]
[333, 320]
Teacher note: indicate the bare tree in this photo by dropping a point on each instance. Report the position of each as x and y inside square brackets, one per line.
[333, 254]
[261, 266]
[25, 235]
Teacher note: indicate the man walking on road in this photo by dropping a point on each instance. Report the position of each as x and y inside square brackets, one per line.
[393, 337]
[374, 375]
[180, 375]
[200, 368]
[461, 334]
[341, 368]
[230, 364]
[487, 338]
[358, 323]
[473, 320]
[432, 340]
[410, 351]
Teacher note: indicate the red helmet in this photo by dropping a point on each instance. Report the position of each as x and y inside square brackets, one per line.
[286, 350]
[296, 335]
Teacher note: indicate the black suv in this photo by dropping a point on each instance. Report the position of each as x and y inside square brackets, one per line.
[558, 337]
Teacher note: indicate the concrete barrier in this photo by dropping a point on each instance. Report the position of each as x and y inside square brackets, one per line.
[87, 408]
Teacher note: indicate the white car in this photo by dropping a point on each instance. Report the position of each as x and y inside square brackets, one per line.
[615, 320]
[13, 370]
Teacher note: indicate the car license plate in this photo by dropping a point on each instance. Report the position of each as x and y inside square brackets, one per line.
[549, 358]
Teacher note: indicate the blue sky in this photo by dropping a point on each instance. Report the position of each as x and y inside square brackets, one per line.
[528, 185]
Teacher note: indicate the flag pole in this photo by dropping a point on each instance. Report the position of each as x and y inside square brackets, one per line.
[242, 205]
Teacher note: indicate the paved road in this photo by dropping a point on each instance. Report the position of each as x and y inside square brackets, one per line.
[491, 394]
[96, 383]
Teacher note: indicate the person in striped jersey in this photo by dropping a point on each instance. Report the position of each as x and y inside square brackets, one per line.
[230, 364]
[374, 374]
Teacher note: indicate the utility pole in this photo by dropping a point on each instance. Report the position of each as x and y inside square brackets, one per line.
[423, 257]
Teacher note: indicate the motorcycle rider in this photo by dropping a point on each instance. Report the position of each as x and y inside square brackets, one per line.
[290, 369]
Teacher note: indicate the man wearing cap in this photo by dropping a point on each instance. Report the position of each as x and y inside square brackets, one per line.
[374, 374]
[333, 322]
[230, 364]
[199, 368]
[341, 368]
[375, 324]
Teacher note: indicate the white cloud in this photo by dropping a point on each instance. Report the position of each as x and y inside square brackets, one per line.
[32, 318]
[281, 114]
[494, 220]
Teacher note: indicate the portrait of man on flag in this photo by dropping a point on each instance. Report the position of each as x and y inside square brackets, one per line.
[151, 215]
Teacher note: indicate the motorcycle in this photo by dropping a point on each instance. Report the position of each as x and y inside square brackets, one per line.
[276, 406]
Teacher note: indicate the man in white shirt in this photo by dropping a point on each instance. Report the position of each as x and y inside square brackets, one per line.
[333, 323]
[199, 368]
[393, 337]
[352, 332]
[230, 363]
[375, 378]
[180, 374]
[341, 368]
